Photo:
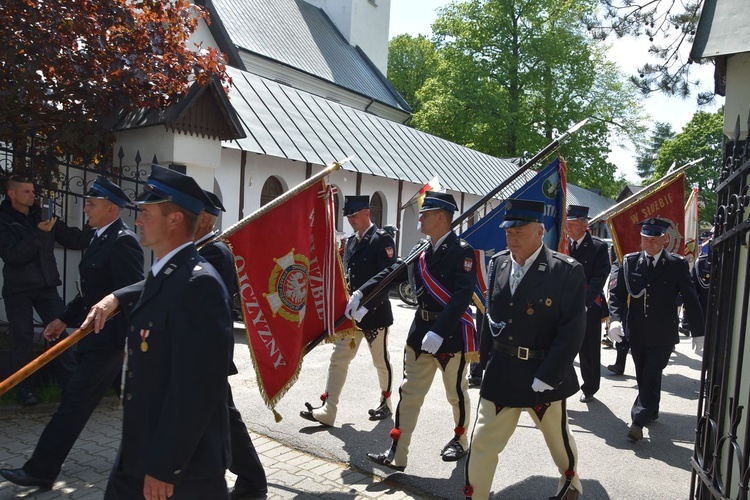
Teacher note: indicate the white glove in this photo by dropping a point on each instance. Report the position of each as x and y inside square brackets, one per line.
[698, 345]
[359, 313]
[431, 342]
[539, 386]
[615, 332]
[352, 304]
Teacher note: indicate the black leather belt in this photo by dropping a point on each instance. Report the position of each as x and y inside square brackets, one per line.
[427, 315]
[519, 352]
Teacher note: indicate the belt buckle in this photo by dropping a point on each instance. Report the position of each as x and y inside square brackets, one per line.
[523, 353]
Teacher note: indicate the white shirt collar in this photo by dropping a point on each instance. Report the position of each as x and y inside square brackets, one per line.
[529, 261]
[656, 257]
[101, 230]
[439, 241]
[160, 263]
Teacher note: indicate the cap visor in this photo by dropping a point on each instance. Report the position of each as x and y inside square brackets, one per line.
[514, 223]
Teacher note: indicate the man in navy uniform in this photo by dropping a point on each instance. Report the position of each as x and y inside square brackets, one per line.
[441, 335]
[114, 259]
[31, 277]
[175, 423]
[533, 329]
[368, 251]
[644, 298]
[592, 254]
[251, 477]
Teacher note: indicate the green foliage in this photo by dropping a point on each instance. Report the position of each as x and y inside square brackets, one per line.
[646, 160]
[510, 75]
[702, 137]
[411, 62]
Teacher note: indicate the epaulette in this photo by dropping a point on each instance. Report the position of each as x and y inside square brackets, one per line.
[632, 254]
[504, 252]
[681, 257]
[564, 258]
[463, 243]
[381, 232]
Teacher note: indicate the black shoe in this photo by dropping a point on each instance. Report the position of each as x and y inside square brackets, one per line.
[240, 493]
[635, 433]
[27, 399]
[453, 451]
[382, 459]
[308, 415]
[607, 343]
[380, 412]
[586, 398]
[21, 478]
[615, 369]
[475, 382]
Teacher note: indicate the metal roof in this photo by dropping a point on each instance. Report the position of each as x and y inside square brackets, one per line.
[289, 123]
[301, 36]
[722, 29]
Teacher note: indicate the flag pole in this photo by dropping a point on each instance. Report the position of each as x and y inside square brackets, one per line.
[59, 347]
[643, 192]
[399, 268]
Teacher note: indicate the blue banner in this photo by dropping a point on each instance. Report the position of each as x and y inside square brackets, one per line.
[547, 186]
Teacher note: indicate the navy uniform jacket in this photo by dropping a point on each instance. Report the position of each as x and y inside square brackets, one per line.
[175, 420]
[593, 255]
[453, 264]
[364, 259]
[111, 262]
[546, 313]
[650, 307]
[701, 275]
[217, 254]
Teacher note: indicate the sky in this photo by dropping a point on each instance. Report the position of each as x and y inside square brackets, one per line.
[414, 17]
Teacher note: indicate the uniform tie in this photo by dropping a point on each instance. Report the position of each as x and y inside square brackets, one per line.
[574, 247]
[515, 279]
[650, 262]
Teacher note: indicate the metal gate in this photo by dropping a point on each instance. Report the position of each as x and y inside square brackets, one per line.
[67, 194]
[721, 456]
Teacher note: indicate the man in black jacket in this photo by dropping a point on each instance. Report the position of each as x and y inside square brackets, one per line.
[251, 477]
[591, 253]
[113, 260]
[533, 329]
[368, 251]
[644, 300]
[442, 336]
[30, 275]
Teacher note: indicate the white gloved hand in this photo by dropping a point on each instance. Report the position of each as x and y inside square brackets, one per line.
[352, 304]
[539, 386]
[431, 342]
[359, 313]
[698, 345]
[615, 332]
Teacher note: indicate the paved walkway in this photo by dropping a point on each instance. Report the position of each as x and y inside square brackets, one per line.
[291, 473]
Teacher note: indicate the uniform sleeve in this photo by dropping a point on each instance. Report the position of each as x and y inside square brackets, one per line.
[690, 300]
[618, 297]
[571, 328]
[599, 278]
[126, 262]
[72, 237]
[199, 359]
[463, 290]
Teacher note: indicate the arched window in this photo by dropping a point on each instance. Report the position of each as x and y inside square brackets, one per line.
[376, 209]
[272, 189]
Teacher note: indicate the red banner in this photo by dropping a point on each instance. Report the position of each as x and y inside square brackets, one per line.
[291, 283]
[667, 202]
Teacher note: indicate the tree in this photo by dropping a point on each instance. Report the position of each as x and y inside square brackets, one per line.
[646, 160]
[670, 28]
[702, 137]
[68, 66]
[411, 62]
[512, 74]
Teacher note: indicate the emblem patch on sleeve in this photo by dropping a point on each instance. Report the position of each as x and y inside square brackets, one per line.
[468, 265]
[389, 252]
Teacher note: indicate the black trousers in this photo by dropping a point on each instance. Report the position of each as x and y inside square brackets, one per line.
[649, 365]
[93, 376]
[245, 461]
[20, 310]
[590, 354]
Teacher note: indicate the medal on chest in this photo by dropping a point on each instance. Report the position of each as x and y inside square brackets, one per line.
[144, 336]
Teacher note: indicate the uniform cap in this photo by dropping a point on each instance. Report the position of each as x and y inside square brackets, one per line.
[169, 185]
[438, 201]
[654, 226]
[215, 207]
[578, 212]
[104, 189]
[353, 204]
[520, 212]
